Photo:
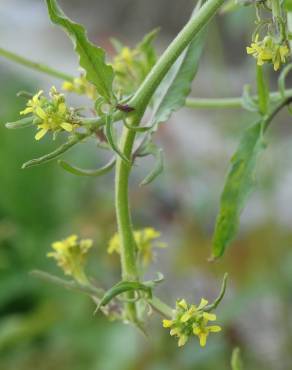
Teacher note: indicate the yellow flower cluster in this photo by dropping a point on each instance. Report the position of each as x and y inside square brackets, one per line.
[145, 242]
[70, 255]
[268, 51]
[80, 86]
[50, 115]
[131, 67]
[124, 60]
[191, 320]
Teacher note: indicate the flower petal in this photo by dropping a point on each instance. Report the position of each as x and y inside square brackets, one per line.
[167, 323]
[67, 126]
[203, 303]
[209, 316]
[40, 134]
[214, 328]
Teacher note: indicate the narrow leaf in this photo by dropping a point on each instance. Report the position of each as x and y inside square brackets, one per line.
[109, 133]
[122, 287]
[238, 185]
[56, 153]
[82, 172]
[176, 86]
[157, 169]
[91, 57]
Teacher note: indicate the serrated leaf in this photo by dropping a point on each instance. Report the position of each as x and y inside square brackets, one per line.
[238, 185]
[91, 57]
[176, 85]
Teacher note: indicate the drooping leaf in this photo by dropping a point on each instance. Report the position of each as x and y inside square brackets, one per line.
[239, 183]
[176, 86]
[158, 167]
[122, 287]
[91, 57]
[85, 172]
[73, 140]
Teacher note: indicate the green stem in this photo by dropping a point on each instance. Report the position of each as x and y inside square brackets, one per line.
[139, 102]
[33, 65]
[127, 242]
[161, 307]
[185, 36]
[227, 103]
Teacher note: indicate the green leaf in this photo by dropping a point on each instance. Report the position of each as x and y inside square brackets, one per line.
[238, 185]
[122, 287]
[158, 167]
[73, 140]
[147, 49]
[236, 363]
[85, 172]
[176, 86]
[92, 58]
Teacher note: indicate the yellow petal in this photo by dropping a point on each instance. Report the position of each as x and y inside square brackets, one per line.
[209, 316]
[203, 303]
[41, 113]
[72, 239]
[183, 304]
[196, 330]
[214, 328]
[249, 50]
[167, 323]
[175, 331]
[62, 108]
[68, 86]
[35, 98]
[40, 134]
[203, 339]
[182, 340]
[67, 126]
[186, 316]
[26, 111]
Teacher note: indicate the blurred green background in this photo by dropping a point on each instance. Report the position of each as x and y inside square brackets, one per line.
[46, 328]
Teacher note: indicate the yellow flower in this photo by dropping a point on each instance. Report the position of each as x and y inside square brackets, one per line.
[34, 103]
[81, 86]
[189, 320]
[202, 331]
[145, 242]
[269, 50]
[70, 255]
[50, 115]
[124, 60]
